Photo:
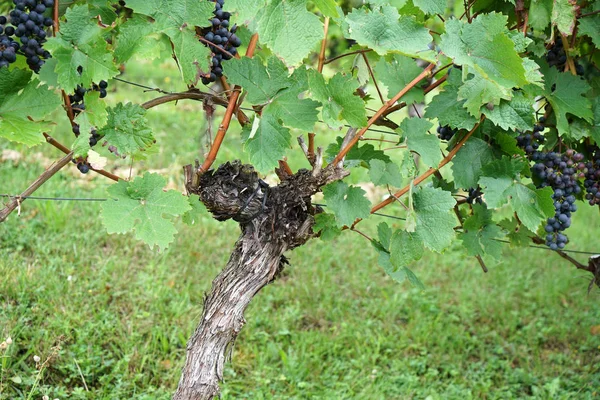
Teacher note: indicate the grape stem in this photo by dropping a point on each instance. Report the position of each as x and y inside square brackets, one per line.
[214, 150]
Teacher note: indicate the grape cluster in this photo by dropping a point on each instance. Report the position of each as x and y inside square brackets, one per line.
[76, 99]
[475, 195]
[445, 132]
[28, 24]
[219, 34]
[530, 142]
[78, 105]
[557, 57]
[592, 177]
[560, 172]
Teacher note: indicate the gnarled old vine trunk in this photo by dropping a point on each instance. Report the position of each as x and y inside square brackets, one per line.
[272, 220]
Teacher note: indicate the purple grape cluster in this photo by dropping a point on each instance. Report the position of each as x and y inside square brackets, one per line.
[445, 132]
[591, 181]
[531, 142]
[28, 24]
[474, 195]
[222, 37]
[561, 172]
[557, 57]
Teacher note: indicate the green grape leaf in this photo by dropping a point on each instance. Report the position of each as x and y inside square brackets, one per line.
[485, 46]
[480, 234]
[267, 143]
[143, 206]
[357, 156]
[327, 7]
[94, 115]
[590, 26]
[384, 232]
[177, 19]
[405, 248]
[23, 115]
[127, 129]
[135, 36]
[532, 72]
[512, 115]
[563, 16]
[347, 202]
[294, 112]
[466, 165]
[326, 226]
[565, 92]
[396, 72]
[446, 107]
[595, 131]
[419, 140]
[501, 185]
[383, 173]
[432, 7]
[479, 90]
[246, 11]
[338, 99]
[80, 43]
[384, 30]
[289, 30]
[540, 12]
[12, 81]
[260, 82]
[196, 212]
[434, 219]
[518, 235]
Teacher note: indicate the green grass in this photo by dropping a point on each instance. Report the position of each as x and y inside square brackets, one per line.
[333, 327]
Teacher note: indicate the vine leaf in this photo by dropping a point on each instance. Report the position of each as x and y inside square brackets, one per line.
[590, 25]
[357, 156]
[446, 107]
[294, 112]
[485, 46]
[22, 115]
[563, 16]
[565, 92]
[478, 90]
[127, 129]
[434, 221]
[466, 165]
[419, 140]
[196, 212]
[136, 38]
[384, 30]
[395, 72]
[326, 226]
[481, 234]
[94, 115]
[177, 19]
[327, 7]
[80, 43]
[405, 248]
[338, 99]
[431, 7]
[267, 142]
[383, 173]
[347, 202]
[512, 115]
[289, 29]
[260, 82]
[143, 206]
[382, 246]
[501, 183]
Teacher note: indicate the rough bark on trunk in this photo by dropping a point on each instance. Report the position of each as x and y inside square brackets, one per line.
[272, 220]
